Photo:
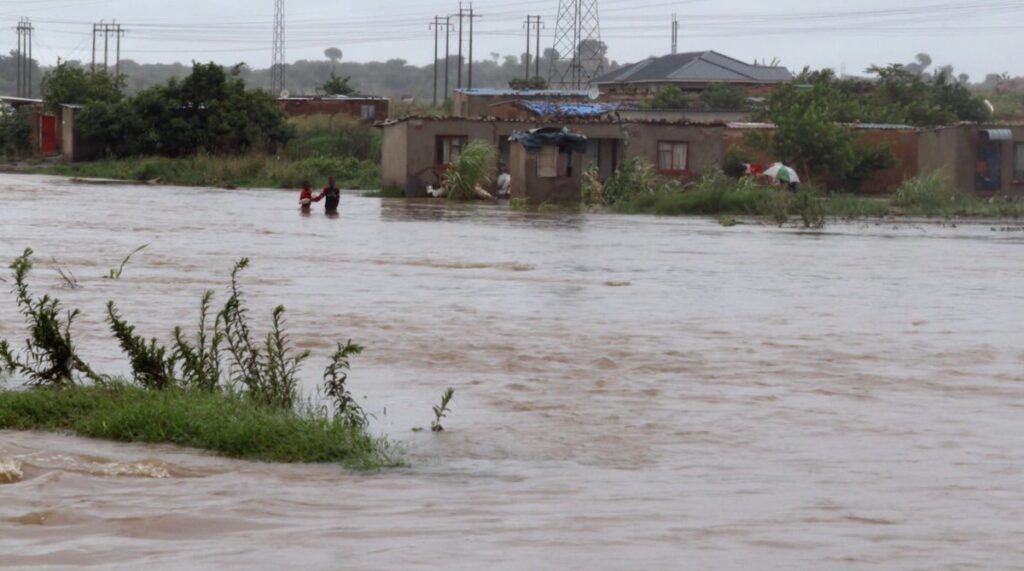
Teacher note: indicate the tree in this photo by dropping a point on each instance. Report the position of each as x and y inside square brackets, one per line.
[670, 97]
[337, 85]
[70, 84]
[333, 54]
[724, 97]
[534, 83]
[206, 111]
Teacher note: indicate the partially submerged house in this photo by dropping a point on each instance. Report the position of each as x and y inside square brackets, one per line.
[418, 150]
[546, 165]
[690, 72]
[365, 107]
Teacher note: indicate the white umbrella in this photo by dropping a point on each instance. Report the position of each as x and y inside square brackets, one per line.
[782, 173]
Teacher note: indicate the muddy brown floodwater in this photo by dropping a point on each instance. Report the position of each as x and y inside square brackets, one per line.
[631, 392]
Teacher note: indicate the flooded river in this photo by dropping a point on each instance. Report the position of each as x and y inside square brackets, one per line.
[631, 392]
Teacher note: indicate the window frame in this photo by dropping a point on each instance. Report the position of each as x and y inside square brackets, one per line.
[674, 170]
[439, 149]
[368, 111]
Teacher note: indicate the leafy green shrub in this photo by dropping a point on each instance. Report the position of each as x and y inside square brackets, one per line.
[15, 133]
[475, 166]
[200, 360]
[268, 371]
[153, 365]
[636, 178]
[928, 194]
[333, 136]
[346, 409]
[49, 357]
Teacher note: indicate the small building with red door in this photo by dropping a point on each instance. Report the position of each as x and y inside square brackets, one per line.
[45, 132]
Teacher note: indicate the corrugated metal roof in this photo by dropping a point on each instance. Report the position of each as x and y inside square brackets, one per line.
[709, 66]
[498, 92]
[998, 134]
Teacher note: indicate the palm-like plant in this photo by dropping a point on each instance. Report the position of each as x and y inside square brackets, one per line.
[475, 166]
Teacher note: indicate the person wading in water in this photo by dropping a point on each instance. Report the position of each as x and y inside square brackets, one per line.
[333, 195]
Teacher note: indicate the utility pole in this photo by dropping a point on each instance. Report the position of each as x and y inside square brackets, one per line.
[106, 30]
[24, 57]
[536, 63]
[461, 14]
[471, 18]
[277, 68]
[532, 22]
[675, 34]
[447, 53]
[437, 25]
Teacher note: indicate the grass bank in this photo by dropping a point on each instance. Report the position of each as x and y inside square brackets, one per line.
[226, 423]
[322, 146]
[224, 388]
[250, 171]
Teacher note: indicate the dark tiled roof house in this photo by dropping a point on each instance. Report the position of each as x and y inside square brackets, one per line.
[691, 72]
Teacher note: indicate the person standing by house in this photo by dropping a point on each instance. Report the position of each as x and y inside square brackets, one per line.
[332, 194]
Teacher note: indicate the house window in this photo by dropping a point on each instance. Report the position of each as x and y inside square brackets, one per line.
[1018, 162]
[368, 111]
[449, 149]
[673, 157]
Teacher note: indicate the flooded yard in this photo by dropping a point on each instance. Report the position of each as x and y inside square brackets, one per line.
[631, 392]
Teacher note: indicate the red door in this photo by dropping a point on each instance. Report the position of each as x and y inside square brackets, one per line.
[48, 135]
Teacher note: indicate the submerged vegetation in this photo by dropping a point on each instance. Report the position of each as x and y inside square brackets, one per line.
[637, 188]
[225, 390]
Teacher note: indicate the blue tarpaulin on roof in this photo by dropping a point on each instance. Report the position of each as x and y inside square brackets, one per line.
[569, 109]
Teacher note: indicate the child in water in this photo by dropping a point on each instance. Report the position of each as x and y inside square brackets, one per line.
[306, 197]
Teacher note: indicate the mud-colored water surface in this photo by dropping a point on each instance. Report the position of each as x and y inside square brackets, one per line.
[631, 392]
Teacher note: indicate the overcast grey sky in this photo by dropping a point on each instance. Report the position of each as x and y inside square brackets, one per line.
[976, 36]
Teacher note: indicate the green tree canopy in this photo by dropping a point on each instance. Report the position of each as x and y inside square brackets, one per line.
[534, 83]
[670, 97]
[724, 97]
[206, 111]
[70, 84]
[337, 85]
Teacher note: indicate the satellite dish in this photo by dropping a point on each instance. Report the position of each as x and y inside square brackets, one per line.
[594, 94]
[285, 94]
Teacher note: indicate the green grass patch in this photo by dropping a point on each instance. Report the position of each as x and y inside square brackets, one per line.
[249, 171]
[225, 423]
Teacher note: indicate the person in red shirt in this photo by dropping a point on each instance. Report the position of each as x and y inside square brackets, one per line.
[306, 197]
